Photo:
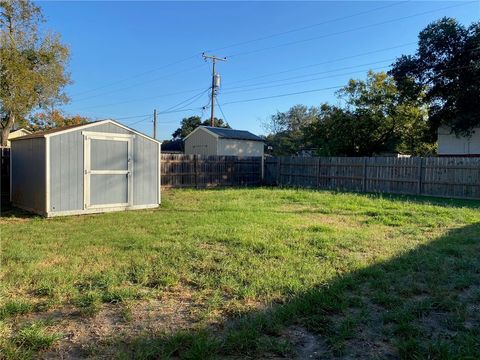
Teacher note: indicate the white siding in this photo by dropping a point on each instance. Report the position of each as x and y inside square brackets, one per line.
[15, 134]
[450, 144]
[231, 147]
[201, 143]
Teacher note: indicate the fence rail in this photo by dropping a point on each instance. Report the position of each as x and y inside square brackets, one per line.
[199, 171]
[446, 177]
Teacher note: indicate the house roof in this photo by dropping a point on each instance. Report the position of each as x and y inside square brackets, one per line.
[225, 133]
[63, 129]
[39, 134]
[20, 130]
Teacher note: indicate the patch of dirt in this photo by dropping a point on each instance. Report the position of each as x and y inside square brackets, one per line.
[82, 336]
[369, 339]
[306, 345]
[470, 297]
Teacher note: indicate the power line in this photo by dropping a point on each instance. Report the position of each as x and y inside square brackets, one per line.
[258, 77]
[221, 110]
[132, 117]
[309, 26]
[311, 74]
[139, 121]
[304, 81]
[349, 30]
[326, 62]
[137, 75]
[283, 95]
[228, 46]
[193, 98]
[139, 84]
[316, 90]
[141, 99]
[148, 116]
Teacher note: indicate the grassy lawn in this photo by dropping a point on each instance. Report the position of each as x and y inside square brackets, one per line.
[246, 273]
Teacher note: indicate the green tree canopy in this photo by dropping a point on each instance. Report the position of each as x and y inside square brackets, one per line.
[187, 125]
[286, 129]
[446, 67]
[375, 119]
[32, 65]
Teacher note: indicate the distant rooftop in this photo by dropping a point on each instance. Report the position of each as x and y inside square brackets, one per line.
[233, 134]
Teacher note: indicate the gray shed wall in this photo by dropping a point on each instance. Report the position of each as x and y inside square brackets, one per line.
[201, 143]
[66, 168]
[28, 174]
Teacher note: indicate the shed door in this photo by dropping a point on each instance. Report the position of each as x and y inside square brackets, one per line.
[108, 170]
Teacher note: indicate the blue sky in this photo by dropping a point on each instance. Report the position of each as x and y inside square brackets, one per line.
[128, 58]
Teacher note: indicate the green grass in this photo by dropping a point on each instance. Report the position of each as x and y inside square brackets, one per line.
[400, 272]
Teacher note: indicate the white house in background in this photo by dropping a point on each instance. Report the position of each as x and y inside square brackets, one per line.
[17, 133]
[207, 140]
[450, 144]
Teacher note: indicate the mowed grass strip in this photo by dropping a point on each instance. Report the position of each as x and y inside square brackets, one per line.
[400, 273]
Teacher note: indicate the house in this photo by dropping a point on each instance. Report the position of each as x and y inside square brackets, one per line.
[87, 168]
[17, 133]
[449, 144]
[207, 140]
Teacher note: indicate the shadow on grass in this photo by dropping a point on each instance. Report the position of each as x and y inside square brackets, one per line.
[421, 304]
[7, 210]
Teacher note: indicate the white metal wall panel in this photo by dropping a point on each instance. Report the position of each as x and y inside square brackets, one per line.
[231, 147]
[450, 144]
[201, 143]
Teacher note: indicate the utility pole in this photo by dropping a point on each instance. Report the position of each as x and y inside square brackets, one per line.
[215, 84]
[155, 124]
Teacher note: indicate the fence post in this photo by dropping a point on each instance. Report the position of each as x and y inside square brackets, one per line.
[420, 176]
[364, 182]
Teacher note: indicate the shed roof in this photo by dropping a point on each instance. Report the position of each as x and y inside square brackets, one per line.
[225, 133]
[63, 129]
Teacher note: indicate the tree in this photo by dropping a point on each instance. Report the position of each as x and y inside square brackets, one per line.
[286, 129]
[53, 119]
[32, 65]
[189, 124]
[446, 67]
[376, 119]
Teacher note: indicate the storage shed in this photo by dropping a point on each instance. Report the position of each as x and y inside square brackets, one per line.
[207, 140]
[80, 169]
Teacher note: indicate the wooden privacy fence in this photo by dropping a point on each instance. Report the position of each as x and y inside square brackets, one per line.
[447, 177]
[200, 171]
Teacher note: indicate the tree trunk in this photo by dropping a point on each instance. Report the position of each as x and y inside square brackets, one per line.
[7, 128]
